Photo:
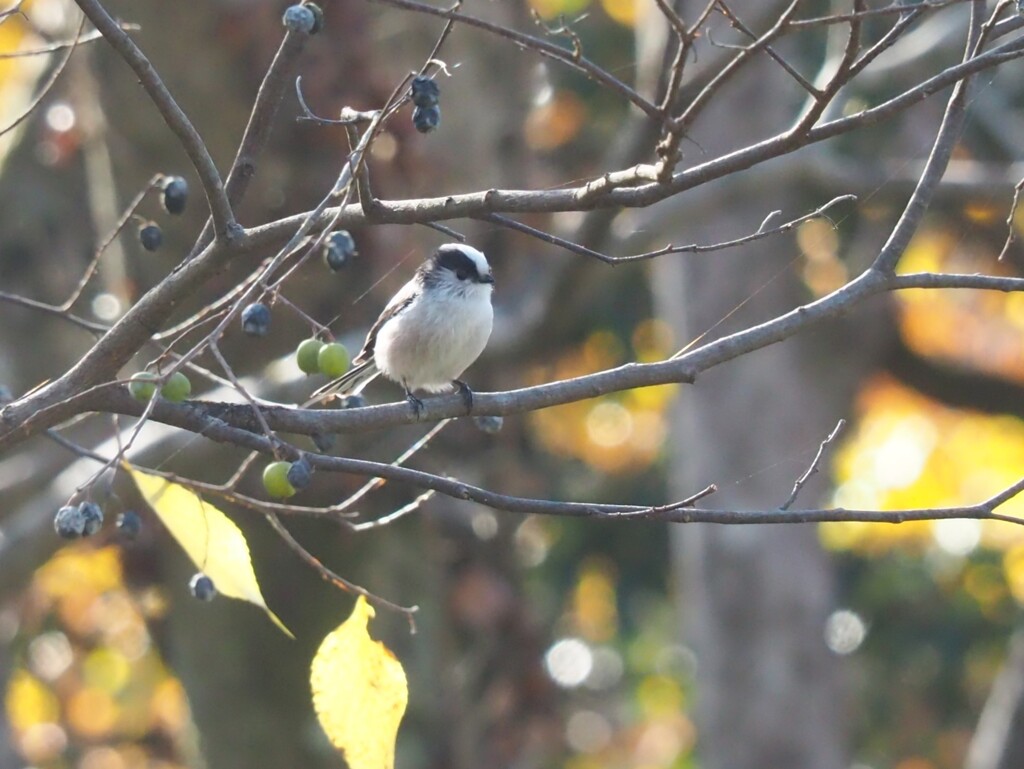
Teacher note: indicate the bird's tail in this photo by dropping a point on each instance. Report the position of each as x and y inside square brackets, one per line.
[350, 383]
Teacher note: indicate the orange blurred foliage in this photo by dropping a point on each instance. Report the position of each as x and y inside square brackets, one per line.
[91, 674]
[556, 122]
[617, 433]
[907, 451]
[980, 329]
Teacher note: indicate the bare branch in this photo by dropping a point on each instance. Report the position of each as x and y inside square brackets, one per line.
[94, 263]
[813, 468]
[335, 579]
[543, 47]
[225, 226]
[261, 120]
[949, 133]
[61, 45]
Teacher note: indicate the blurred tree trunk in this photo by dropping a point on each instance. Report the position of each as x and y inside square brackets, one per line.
[998, 741]
[754, 600]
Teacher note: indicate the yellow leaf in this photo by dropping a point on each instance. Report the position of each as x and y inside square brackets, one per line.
[211, 539]
[359, 692]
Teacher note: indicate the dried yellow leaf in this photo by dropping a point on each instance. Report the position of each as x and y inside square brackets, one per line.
[211, 539]
[359, 692]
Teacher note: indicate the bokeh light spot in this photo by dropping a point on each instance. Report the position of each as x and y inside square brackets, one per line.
[844, 631]
[569, 662]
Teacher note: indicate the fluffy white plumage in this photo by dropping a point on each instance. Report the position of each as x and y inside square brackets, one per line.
[432, 329]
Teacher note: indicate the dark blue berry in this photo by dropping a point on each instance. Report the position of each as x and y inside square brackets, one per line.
[489, 425]
[300, 474]
[92, 518]
[129, 524]
[299, 18]
[426, 119]
[338, 249]
[425, 91]
[175, 194]
[151, 236]
[324, 442]
[68, 522]
[202, 587]
[318, 17]
[256, 319]
[353, 402]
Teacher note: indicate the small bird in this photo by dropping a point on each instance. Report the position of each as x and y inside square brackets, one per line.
[431, 331]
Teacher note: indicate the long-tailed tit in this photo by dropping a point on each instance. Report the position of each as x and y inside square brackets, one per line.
[432, 329]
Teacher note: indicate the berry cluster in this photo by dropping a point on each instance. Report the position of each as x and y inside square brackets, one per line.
[315, 357]
[173, 198]
[143, 386]
[74, 521]
[284, 479]
[425, 95]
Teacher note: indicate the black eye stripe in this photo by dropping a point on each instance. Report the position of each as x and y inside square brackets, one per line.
[457, 261]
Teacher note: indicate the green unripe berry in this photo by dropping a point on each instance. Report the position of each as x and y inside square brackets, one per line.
[306, 355]
[333, 359]
[142, 385]
[177, 389]
[275, 480]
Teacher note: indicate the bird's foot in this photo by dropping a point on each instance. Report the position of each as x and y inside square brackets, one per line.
[416, 403]
[465, 392]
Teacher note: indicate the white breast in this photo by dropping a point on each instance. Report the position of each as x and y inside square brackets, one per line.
[435, 340]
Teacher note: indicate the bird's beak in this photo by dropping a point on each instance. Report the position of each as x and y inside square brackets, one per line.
[487, 279]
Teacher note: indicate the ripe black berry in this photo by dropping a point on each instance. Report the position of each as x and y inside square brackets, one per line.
[425, 91]
[151, 236]
[202, 587]
[299, 18]
[353, 402]
[300, 474]
[318, 17]
[256, 319]
[92, 518]
[175, 194]
[129, 525]
[338, 249]
[68, 522]
[426, 119]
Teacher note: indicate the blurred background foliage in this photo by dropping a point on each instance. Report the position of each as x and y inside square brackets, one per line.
[557, 640]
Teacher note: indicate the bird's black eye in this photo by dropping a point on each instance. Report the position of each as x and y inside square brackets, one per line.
[461, 274]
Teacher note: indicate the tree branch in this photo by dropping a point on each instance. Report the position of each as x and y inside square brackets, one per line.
[225, 226]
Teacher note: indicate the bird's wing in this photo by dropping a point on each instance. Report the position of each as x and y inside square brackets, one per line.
[399, 303]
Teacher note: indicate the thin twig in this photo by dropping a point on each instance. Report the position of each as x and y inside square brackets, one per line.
[94, 263]
[229, 372]
[61, 45]
[376, 483]
[690, 249]
[261, 119]
[225, 226]
[387, 520]
[335, 579]
[543, 47]
[48, 85]
[942, 150]
[813, 468]
[52, 309]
